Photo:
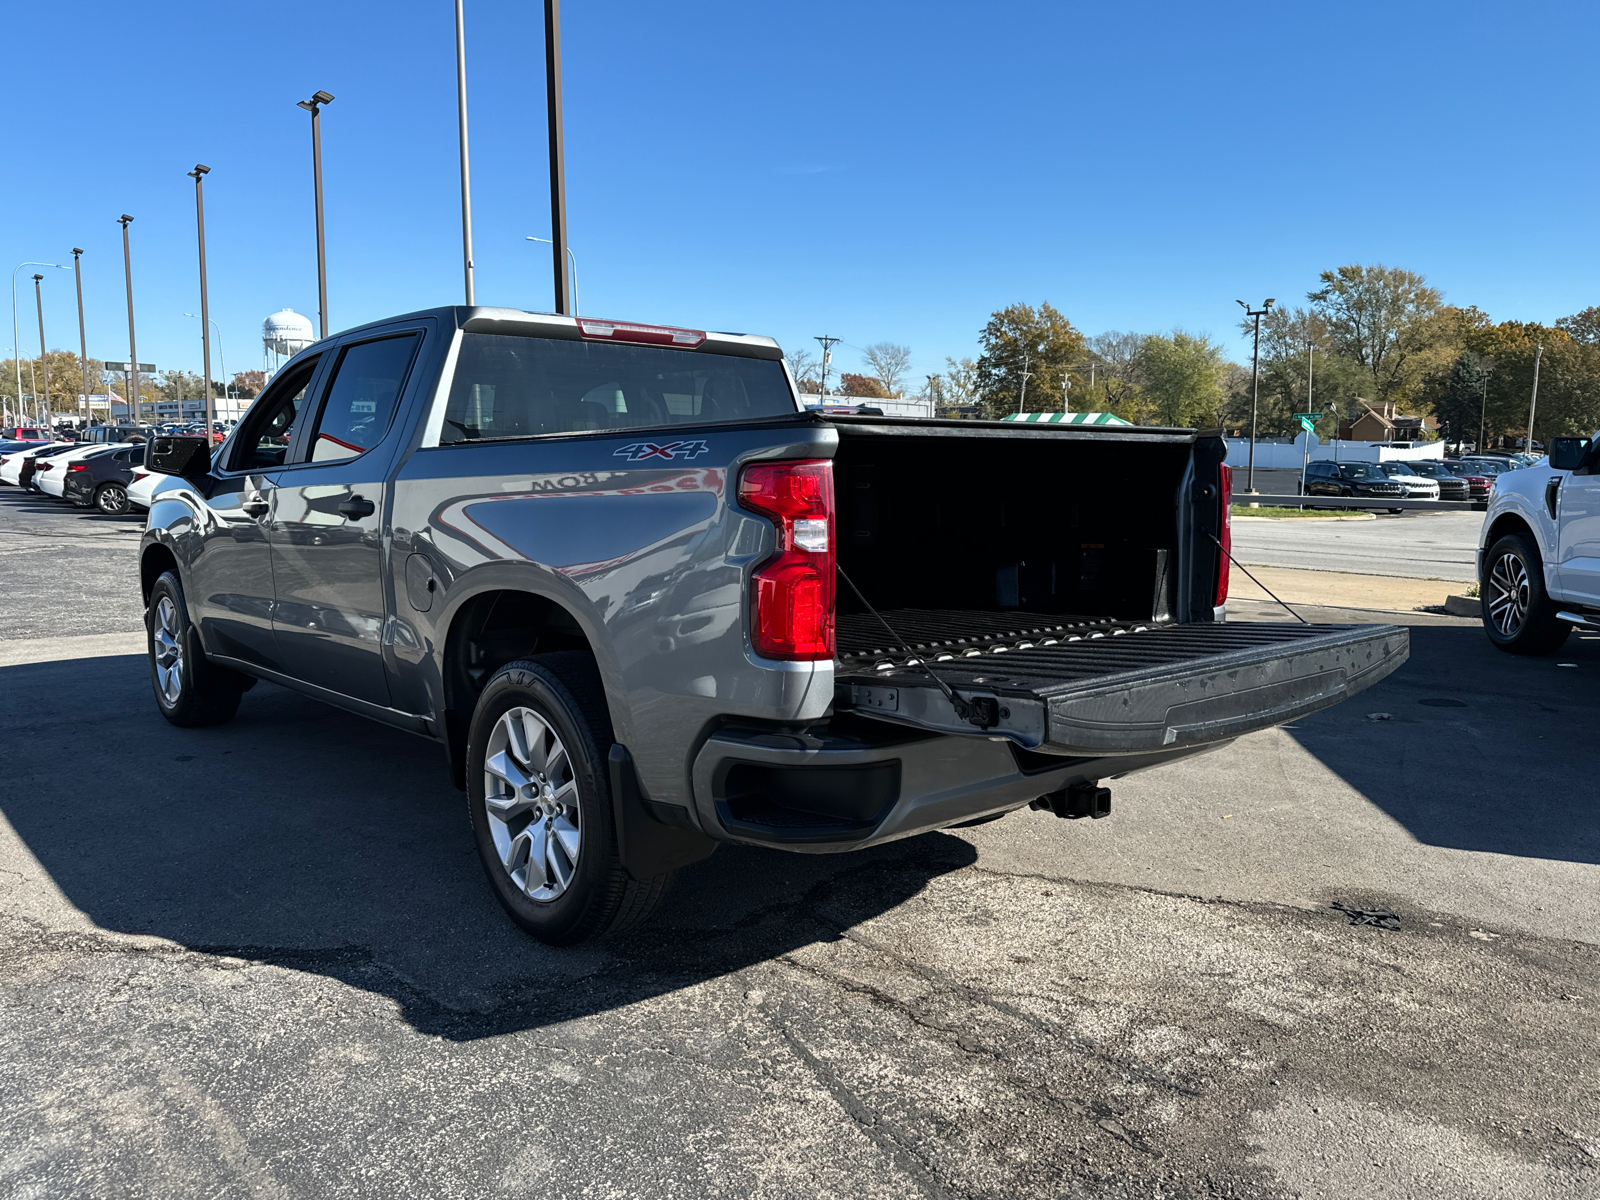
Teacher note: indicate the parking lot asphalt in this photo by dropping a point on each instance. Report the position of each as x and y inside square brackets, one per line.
[1421, 545]
[261, 960]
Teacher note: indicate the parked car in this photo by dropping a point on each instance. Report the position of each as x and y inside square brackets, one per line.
[1352, 479]
[17, 468]
[142, 486]
[604, 565]
[120, 433]
[1479, 483]
[31, 433]
[102, 480]
[1539, 552]
[51, 474]
[1451, 485]
[1417, 485]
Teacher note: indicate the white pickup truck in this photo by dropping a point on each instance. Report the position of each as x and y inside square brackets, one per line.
[1539, 553]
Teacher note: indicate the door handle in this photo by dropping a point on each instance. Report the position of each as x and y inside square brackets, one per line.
[254, 506]
[357, 507]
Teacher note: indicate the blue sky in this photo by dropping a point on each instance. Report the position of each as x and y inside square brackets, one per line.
[876, 171]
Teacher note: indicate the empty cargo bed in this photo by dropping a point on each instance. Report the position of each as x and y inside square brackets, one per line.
[1093, 686]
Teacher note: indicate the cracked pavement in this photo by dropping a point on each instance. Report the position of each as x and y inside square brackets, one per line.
[261, 961]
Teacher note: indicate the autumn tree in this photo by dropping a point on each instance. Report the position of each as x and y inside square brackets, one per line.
[865, 386]
[1380, 318]
[889, 364]
[1019, 341]
[249, 383]
[1569, 381]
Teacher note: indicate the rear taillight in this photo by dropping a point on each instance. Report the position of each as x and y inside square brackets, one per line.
[78, 467]
[138, 475]
[791, 594]
[1225, 537]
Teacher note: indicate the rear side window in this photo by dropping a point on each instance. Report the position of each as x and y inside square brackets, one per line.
[507, 387]
[362, 397]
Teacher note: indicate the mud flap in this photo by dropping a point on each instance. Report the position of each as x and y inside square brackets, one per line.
[647, 847]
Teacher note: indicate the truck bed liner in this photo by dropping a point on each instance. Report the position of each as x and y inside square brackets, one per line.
[1084, 686]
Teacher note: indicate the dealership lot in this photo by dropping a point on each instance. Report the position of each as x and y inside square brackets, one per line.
[262, 960]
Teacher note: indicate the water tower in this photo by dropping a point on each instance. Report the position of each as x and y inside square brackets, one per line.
[283, 335]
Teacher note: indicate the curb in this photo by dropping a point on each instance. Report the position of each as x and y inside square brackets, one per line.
[1463, 606]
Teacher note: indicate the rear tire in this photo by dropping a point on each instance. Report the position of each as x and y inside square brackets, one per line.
[1518, 615]
[111, 499]
[539, 798]
[191, 691]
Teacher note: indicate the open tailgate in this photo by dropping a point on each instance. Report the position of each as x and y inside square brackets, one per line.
[1094, 687]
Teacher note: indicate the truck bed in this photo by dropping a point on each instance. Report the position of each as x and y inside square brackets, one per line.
[1096, 686]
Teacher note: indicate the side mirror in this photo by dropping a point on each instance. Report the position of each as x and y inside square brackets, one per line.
[186, 457]
[1566, 453]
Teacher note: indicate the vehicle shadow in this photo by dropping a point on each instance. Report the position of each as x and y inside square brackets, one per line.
[1479, 750]
[304, 837]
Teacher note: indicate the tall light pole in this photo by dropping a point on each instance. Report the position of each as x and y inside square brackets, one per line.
[314, 107]
[1533, 401]
[133, 345]
[1255, 383]
[44, 363]
[16, 339]
[558, 168]
[222, 357]
[1066, 393]
[466, 175]
[198, 175]
[83, 341]
[1483, 409]
[573, 259]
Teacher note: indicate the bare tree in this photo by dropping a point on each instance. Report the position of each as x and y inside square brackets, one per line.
[889, 363]
[1116, 374]
[804, 365]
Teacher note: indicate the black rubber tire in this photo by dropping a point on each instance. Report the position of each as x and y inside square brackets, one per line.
[1541, 631]
[207, 694]
[112, 499]
[603, 899]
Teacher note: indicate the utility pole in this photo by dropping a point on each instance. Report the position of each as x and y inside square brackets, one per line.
[83, 342]
[314, 107]
[1483, 408]
[1305, 456]
[1022, 396]
[1066, 393]
[1255, 384]
[558, 168]
[133, 346]
[466, 174]
[827, 357]
[44, 363]
[933, 386]
[1533, 402]
[199, 173]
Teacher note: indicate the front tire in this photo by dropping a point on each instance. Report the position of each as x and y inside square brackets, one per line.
[112, 499]
[1518, 614]
[191, 691]
[540, 802]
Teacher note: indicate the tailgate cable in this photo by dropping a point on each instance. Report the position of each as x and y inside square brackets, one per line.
[1252, 578]
[981, 711]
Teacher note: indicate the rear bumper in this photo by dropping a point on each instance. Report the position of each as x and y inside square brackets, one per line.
[823, 792]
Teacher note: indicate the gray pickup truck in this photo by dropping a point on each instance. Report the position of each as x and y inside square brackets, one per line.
[648, 603]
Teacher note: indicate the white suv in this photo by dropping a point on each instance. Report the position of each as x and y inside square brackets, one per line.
[1539, 553]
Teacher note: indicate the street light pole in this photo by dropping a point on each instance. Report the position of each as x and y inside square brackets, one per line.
[1255, 384]
[198, 175]
[314, 107]
[1483, 409]
[573, 259]
[83, 341]
[16, 339]
[1066, 393]
[1533, 401]
[558, 169]
[222, 357]
[466, 175]
[133, 345]
[44, 363]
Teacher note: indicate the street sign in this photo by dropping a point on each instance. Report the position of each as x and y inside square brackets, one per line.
[144, 368]
[1312, 417]
[1307, 424]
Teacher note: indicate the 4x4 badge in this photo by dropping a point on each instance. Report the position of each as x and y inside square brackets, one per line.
[638, 451]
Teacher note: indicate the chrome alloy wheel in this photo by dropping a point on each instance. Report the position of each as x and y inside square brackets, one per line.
[168, 646]
[1508, 594]
[532, 802]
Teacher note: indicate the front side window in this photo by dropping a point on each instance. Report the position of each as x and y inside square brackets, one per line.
[362, 397]
[509, 387]
[268, 430]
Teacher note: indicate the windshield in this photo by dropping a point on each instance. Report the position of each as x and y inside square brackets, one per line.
[507, 386]
[1363, 471]
[1395, 468]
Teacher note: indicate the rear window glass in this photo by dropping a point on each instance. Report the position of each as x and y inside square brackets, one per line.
[508, 386]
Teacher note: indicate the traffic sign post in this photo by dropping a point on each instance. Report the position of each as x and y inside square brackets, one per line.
[1308, 422]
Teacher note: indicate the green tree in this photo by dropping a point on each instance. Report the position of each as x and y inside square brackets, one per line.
[1458, 397]
[1569, 381]
[1380, 318]
[1022, 340]
[1182, 375]
[1582, 326]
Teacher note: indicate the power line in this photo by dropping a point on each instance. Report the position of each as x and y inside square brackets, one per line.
[828, 344]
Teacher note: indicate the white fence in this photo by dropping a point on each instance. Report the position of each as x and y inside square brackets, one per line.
[1279, 455]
